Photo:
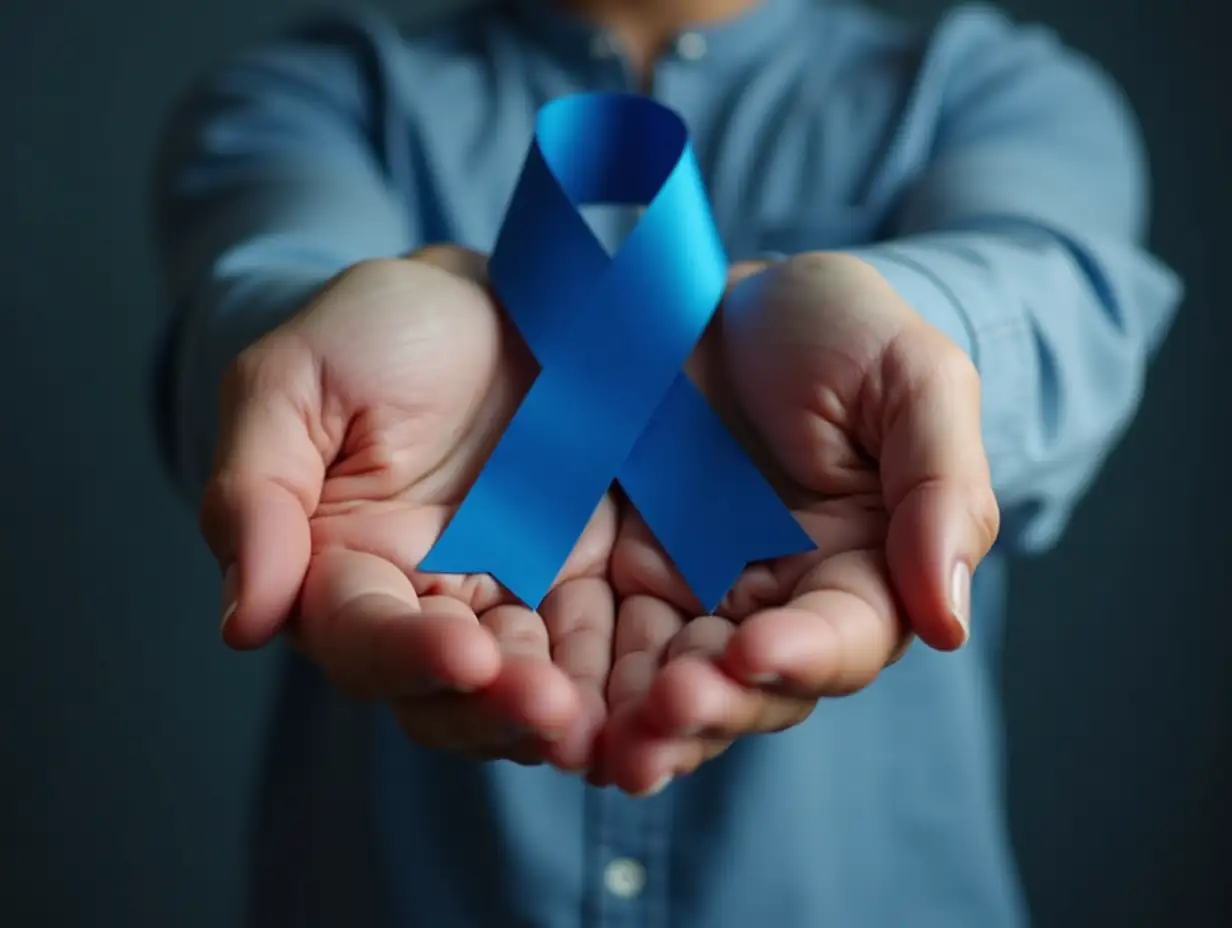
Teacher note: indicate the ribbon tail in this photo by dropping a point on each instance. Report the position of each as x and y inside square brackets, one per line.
[703, 498]
[471, 545]
[535, 496]
[532, 501]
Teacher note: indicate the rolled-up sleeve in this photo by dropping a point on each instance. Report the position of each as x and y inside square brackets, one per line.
[1023, 240]
[269, 183]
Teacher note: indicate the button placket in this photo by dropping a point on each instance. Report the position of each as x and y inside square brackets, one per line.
[631, 843]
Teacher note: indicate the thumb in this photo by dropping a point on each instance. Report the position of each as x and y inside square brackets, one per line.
[943, 513]
[266, 482]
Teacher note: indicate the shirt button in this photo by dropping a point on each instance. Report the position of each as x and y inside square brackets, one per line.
[691, 46]
[624, 877]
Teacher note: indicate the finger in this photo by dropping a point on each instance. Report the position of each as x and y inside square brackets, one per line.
[644, 763]
[695, 698]
[832, 639]
[361, 620]
[640, 567]
[692, 697]
[403, 533]
[685, 719]
[580, 617]
[530, 694]
[267, 478]
[525, 707]
[834, 524]
[943, 512]
[678, 699]
[529, 705]
[644, 628]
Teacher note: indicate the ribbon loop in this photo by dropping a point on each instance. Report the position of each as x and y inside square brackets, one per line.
[611, 335]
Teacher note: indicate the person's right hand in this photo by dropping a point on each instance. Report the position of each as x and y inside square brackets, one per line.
[348, 437]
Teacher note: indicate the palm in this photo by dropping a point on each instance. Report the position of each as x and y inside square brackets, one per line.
[412, 413]
[836, 496]
[408, 415]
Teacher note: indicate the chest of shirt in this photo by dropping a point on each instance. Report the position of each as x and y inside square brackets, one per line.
[796, 154]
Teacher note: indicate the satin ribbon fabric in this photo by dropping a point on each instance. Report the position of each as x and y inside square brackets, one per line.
[611, 334]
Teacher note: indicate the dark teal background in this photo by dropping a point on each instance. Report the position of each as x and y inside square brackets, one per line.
[129, 735]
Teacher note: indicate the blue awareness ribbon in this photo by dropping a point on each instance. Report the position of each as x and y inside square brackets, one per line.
[611, 335]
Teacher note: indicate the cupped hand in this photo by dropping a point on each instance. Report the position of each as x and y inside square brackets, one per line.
[348, 437]
[868, 421]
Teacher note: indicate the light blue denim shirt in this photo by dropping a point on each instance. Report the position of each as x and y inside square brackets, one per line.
[998, 181]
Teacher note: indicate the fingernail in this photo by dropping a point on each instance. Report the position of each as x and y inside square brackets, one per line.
[656, 789]
[960, 596]
[765, 679]
[230, 591]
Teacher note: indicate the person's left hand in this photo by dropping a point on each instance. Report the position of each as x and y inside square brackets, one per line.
[867, 419]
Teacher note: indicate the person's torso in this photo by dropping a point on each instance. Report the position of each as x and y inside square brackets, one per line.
[885, 808]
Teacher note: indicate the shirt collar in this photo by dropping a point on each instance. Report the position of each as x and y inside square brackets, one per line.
[747, 35]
